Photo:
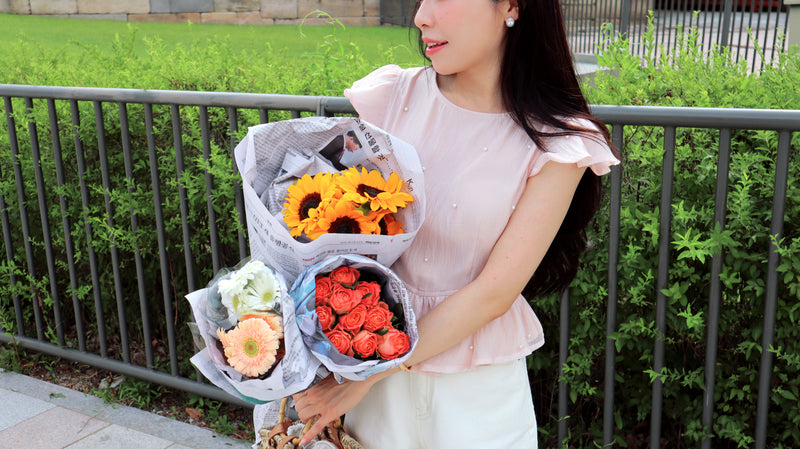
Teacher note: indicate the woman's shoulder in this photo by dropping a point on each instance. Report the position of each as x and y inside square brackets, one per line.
[383, 77]
[583, 144]
[376, 91]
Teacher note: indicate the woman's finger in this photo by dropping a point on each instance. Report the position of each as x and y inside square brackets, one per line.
[314, 430]
[306, 414]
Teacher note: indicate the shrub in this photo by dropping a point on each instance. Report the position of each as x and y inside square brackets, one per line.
[103, 189]
[685, 77]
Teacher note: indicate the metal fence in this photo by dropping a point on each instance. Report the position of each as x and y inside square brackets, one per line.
[397, 12]
[751, 29]
[73, 287]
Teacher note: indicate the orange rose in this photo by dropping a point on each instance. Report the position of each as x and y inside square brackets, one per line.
[370, 293]
[353, 320]
[343, 299]
[378, 318]
[341, 341]
[344, 275]
[323, 290]
[364, 344]
[326, 317]
[393, 344]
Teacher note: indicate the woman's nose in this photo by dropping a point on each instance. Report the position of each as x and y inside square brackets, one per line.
[422, 16]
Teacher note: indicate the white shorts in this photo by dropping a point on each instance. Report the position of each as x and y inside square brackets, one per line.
[490, 407]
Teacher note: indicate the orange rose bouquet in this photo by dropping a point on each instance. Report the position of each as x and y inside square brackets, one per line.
[354, 315]
[355, 318]
[249, 338]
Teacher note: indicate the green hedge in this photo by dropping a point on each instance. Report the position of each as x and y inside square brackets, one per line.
[686, 78]
[208, 65]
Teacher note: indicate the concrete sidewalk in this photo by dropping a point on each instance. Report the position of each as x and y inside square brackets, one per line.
[38, 414]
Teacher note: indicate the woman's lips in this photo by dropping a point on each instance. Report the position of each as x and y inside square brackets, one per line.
[433, 46]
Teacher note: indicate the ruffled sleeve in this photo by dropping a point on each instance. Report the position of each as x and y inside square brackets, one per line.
[585, 151]
[371, 95]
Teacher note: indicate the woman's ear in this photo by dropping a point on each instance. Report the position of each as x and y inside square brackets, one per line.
[513, 9]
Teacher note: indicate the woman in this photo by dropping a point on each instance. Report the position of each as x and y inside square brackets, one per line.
[499, 101]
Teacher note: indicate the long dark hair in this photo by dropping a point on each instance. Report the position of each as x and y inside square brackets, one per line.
[539, 85]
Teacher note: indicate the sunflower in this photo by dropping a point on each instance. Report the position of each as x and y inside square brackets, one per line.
[304, 199]
[343, 217]
[370, 187]
[389, 225]
[250, 347]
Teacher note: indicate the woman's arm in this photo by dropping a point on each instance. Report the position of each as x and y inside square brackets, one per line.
[513, 260]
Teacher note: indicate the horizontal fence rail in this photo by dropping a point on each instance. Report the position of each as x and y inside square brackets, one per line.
[103, 241]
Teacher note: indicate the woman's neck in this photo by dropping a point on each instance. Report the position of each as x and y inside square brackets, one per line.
[473, 92]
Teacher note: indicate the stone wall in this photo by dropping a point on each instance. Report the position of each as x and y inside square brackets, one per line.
[244, 12]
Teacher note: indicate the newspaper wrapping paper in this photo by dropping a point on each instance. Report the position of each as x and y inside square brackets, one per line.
[393, 291]
[294, 372]
[273, 155]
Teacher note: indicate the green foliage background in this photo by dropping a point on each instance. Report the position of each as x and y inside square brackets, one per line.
[684, 76]
[329, 61]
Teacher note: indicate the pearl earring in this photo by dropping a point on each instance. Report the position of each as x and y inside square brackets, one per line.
[510, 22]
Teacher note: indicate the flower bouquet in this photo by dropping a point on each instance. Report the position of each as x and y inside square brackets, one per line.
[354, 315]
[253, 349]
[348, 202]
[304, 201]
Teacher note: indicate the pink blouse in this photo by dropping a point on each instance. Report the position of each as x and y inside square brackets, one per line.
[476, 166]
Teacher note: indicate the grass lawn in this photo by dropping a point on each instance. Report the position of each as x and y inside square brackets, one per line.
[70, 35]
[32, 47]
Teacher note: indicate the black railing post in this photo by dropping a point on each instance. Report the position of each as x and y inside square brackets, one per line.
[771, 301]
[715, 295]
[664, 234]
[115, 263]
[12, 137]
[617, 135]
[166, 289]
[563, 352]
[625, 19]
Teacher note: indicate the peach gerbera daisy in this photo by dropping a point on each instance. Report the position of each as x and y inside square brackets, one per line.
[250, 347]
[343, 217]
[303, 200]
[370, 187]
[272, 319]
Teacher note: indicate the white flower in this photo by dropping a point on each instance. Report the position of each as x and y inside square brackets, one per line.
[252, 288]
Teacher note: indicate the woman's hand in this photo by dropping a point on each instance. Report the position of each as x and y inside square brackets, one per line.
[327, 401]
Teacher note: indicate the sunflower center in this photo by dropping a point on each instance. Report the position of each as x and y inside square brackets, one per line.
[370, 191]
[310, 201]
[251, 348]
[382, 225]
[345, 225]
